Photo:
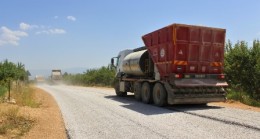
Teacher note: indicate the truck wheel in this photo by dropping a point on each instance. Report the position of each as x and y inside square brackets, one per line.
[137, 90]
[146, 93]
[119, 93]
[159, 95]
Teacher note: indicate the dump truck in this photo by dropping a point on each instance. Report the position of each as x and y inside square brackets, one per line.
[179, 64]
[39, 78]
[56, 75]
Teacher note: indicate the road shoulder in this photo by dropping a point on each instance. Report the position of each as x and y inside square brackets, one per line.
[235, 104]
[49, 121]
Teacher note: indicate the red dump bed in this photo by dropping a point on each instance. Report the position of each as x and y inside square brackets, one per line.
[180, 48]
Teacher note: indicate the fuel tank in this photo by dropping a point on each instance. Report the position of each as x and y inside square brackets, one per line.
[136, 63]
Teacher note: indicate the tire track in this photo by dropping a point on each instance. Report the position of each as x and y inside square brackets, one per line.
[216, 119]
[200, 115]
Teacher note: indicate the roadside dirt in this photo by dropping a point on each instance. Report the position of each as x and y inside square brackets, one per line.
[49, 122]
[235, 104]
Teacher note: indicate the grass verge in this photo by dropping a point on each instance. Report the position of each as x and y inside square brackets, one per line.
[25, 96]
[242, 97]
[2, 93]
[13, 124]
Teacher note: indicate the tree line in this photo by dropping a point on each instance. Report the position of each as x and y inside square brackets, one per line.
[10, 73]
[242, 69]
[103, 76]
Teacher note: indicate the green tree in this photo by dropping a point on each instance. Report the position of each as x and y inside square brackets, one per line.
[10, 72]
[7, 74]
[103, 76]
[242, 67]
[7, 71]
[255, 61]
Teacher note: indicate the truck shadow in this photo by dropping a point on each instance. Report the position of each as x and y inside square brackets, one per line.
[130, 103]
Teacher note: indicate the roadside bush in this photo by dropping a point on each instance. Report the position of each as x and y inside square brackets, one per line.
[242, 97]
[26, 97]
[2, 91]
[242, 67]
[103, 76]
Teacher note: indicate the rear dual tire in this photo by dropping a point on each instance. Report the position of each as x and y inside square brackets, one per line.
[159, 95]
[138, 91]
[146, 93]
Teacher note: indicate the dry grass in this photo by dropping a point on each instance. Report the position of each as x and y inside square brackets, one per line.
[25, 96]
[49, 120]
[12, 123]
[30, 119]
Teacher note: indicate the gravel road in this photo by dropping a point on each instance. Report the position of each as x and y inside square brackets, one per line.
[98, 113]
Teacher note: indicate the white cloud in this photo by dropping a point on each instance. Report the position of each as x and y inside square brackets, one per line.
[51, 31]
[41, 32]
[72, 18]
[25, 26]
[57, 31]
[8, 36]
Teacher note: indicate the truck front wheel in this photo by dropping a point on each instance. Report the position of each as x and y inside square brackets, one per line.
[146, 93]
[159, 95]
[119, 93]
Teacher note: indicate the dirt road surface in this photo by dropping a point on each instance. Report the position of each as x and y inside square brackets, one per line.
[98, 113]
[49, 123]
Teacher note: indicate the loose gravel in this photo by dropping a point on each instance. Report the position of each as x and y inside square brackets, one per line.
[98, 113]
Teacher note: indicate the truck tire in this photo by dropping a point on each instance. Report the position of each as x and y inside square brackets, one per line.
[146, 93]
[119, 93]
[159, 95]
[138, 90]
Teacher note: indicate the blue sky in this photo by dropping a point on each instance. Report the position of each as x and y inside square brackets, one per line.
[65, 34]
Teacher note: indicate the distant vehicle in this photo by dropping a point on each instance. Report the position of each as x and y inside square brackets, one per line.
[56, 74]
[39, 78]
[180, 64]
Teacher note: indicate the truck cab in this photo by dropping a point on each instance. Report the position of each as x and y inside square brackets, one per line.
[119, 60]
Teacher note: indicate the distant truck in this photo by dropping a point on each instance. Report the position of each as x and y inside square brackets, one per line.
[56, 74]
[180, 64]
[39, 78]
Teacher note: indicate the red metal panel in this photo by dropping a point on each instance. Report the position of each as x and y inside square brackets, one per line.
[155, 38]
[194, 52]
[195, 36]
[154, 53]
[181, 51]
[163, 35]
[205, 54]
[206, 35]
[147, 40]
[180, 48]
[204, 67]
[182, 34]
[217, 53]
[219, 37]
[192, 67]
